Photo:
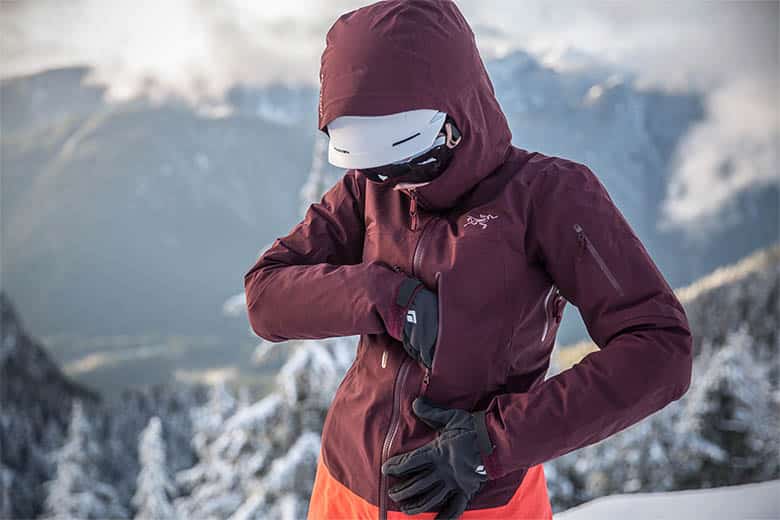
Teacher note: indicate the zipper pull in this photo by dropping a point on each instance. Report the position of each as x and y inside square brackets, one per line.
[581, 238]
[560, 303]
[413, 208]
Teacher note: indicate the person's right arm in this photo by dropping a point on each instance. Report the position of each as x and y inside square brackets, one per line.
[313, 284]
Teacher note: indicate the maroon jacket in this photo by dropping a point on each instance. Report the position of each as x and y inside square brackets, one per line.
[505, 236]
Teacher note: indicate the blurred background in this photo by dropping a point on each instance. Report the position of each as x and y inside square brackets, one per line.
[150, 151]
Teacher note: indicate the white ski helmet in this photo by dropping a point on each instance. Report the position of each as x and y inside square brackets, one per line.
[370, 141]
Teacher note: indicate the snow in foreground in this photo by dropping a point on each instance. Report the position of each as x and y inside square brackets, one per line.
[749, 501]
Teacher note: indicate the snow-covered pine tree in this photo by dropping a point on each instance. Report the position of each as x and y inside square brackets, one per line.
[77, 490]
[35, 408]
[207, 421]
[283, 492]
[723, 431]
[6, 478]
[258, 461]
[716, 434]
[128, 416]
[728, 430]
[310, 377]
[152, 499]
[211, 489]
[318, 181]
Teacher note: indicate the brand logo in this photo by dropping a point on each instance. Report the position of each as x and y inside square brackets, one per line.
[411, 317]
[481, 470]
[482, 220]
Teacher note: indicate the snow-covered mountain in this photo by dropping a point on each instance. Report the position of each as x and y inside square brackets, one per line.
[140, 217]
[35, 403]
[63, 449]
[631, 139]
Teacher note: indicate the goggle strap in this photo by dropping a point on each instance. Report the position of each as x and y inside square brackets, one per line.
[453, 134]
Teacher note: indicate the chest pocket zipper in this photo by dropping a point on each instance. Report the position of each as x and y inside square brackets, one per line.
[583, 238]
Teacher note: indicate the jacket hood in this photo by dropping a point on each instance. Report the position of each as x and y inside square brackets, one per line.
[398, 55]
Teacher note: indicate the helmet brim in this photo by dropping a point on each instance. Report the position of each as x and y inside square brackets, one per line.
[370, 141]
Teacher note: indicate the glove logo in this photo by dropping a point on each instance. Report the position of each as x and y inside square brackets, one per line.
[480, 470]
[411, 317]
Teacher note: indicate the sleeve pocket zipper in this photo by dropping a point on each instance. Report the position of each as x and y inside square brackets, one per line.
[599, 260]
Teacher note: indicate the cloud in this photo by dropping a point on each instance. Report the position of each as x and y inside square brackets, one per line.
[728, 51]
[735, 148]
[197, 50]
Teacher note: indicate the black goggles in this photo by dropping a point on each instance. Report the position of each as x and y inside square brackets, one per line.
[421, 168]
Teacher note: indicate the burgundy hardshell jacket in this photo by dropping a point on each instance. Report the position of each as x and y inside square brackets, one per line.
[504, 236]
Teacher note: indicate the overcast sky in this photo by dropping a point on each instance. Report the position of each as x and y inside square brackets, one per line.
[198, 49]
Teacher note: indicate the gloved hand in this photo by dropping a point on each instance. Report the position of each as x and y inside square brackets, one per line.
[444, 474]
[421, 320]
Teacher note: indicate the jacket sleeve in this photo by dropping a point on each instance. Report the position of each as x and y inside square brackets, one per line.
[312, 283]
[644, 359]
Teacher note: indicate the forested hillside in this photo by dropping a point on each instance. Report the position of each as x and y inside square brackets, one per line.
[189, 451]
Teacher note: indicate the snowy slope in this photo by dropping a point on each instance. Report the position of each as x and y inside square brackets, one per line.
[749, 501]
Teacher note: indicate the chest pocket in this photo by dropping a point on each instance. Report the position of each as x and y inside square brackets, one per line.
[474, 325]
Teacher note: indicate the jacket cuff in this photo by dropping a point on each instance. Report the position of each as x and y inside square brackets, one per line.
[406, 292]
[402, 297]
[486, 446]
[493, 466]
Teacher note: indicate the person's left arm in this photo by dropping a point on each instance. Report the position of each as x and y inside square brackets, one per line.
[644, 359]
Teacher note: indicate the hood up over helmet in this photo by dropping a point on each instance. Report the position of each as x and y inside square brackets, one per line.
[398, 55]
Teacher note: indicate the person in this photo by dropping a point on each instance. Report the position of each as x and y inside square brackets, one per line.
[452, 253]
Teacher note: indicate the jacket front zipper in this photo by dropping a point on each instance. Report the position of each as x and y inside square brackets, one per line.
[403, 370]
[392, 429]
[599, 260]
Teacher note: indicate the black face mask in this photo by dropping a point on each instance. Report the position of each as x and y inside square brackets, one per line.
[422, 168]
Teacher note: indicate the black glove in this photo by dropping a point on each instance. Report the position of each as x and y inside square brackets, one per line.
[444, 474]
[421, 320]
